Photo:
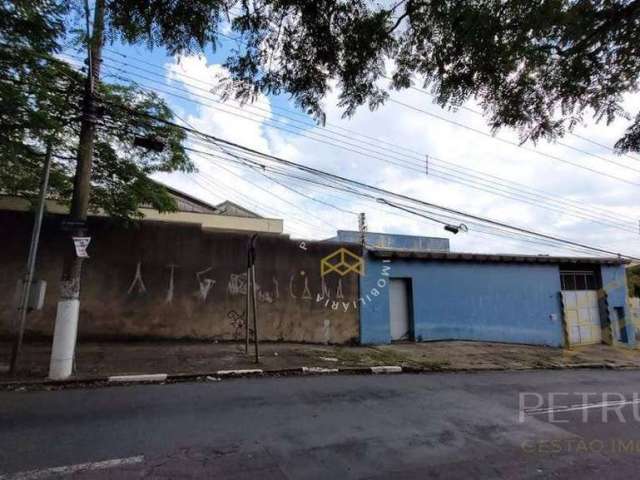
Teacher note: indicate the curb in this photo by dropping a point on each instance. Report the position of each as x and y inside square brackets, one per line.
[218, 375]
[155, 377]
[386, 369]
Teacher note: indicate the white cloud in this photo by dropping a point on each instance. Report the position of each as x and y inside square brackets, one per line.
[406, 130]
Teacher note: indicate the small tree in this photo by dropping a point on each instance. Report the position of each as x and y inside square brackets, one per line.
[41, 98]
[633, 281]
[120, 176]
[90, 127]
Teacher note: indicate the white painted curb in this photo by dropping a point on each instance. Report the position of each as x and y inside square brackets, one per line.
[251, 371]
[156, 377]
[387, 369]
[319, 370]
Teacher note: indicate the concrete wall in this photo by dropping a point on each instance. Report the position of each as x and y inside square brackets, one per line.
[192, 283]
[614, 283]
[501, 302]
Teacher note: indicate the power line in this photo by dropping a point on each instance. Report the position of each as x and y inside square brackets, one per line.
[310, 170]
[489, 230]
[246, 200]
[281, 199]
[268, 192]
[244, 179]
[455, 177]
[516, 144]
[581, 137]
[340, 179]
[602, 145]
[554, 157]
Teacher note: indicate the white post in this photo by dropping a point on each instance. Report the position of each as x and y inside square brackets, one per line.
[64, 339]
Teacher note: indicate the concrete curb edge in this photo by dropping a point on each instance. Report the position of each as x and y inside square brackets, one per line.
[301, 371]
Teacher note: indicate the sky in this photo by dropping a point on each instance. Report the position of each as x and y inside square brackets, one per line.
[389, 139]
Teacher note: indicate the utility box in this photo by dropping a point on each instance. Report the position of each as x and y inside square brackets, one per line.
[36, 294]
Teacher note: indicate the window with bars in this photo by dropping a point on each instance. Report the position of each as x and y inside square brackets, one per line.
[578, 280]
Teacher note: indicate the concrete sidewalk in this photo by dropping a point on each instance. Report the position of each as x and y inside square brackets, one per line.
[95, 359]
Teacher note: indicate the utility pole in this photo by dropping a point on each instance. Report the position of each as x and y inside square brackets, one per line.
[362, 227]
[251, 284]
[31, 261]
[65, 332]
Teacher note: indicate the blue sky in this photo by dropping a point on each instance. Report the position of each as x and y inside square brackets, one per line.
[397, 134]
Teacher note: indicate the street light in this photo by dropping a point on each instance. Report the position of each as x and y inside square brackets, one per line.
[456, 228]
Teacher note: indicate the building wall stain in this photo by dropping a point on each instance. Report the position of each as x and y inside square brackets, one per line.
[155, 279]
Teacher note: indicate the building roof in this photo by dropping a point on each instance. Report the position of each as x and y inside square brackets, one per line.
[492, 257]
[230, 208]
[393, 241]
[204, 207]
[188, 203]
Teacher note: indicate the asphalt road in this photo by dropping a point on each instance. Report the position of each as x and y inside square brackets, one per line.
[390, 426]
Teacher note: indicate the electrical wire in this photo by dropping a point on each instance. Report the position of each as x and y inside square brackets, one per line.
[360, 184]
[497, 191]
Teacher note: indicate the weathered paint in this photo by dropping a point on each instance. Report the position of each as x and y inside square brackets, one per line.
[161, 279]
[614, 283]
[517, 303]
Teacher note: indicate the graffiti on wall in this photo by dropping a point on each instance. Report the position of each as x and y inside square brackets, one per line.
[137, 280]
[237, 323]
[169, 297]
[205, 284]
[299, 287]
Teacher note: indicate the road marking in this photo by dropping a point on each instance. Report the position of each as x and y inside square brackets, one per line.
[584, 406]
[71, 469]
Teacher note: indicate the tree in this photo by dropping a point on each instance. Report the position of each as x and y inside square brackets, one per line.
[633, 281]
[40, 98]
[120, 176]
[536, 66]
[99, 134]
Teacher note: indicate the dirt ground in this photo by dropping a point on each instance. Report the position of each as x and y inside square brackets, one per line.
[111, 358]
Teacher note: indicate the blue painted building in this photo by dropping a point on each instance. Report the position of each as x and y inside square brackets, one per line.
[541, 300]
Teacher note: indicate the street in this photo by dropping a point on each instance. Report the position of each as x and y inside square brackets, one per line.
[392, 426]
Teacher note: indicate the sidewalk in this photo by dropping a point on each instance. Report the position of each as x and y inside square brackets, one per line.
[95, 359]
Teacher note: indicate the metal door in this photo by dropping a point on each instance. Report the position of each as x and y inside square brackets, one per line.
[399, 309]
[582, 314]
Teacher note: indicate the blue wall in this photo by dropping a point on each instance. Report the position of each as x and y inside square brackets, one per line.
[517, 303]
[614, 282]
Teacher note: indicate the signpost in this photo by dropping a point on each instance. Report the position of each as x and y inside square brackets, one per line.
[31, 261]
[81, 244]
